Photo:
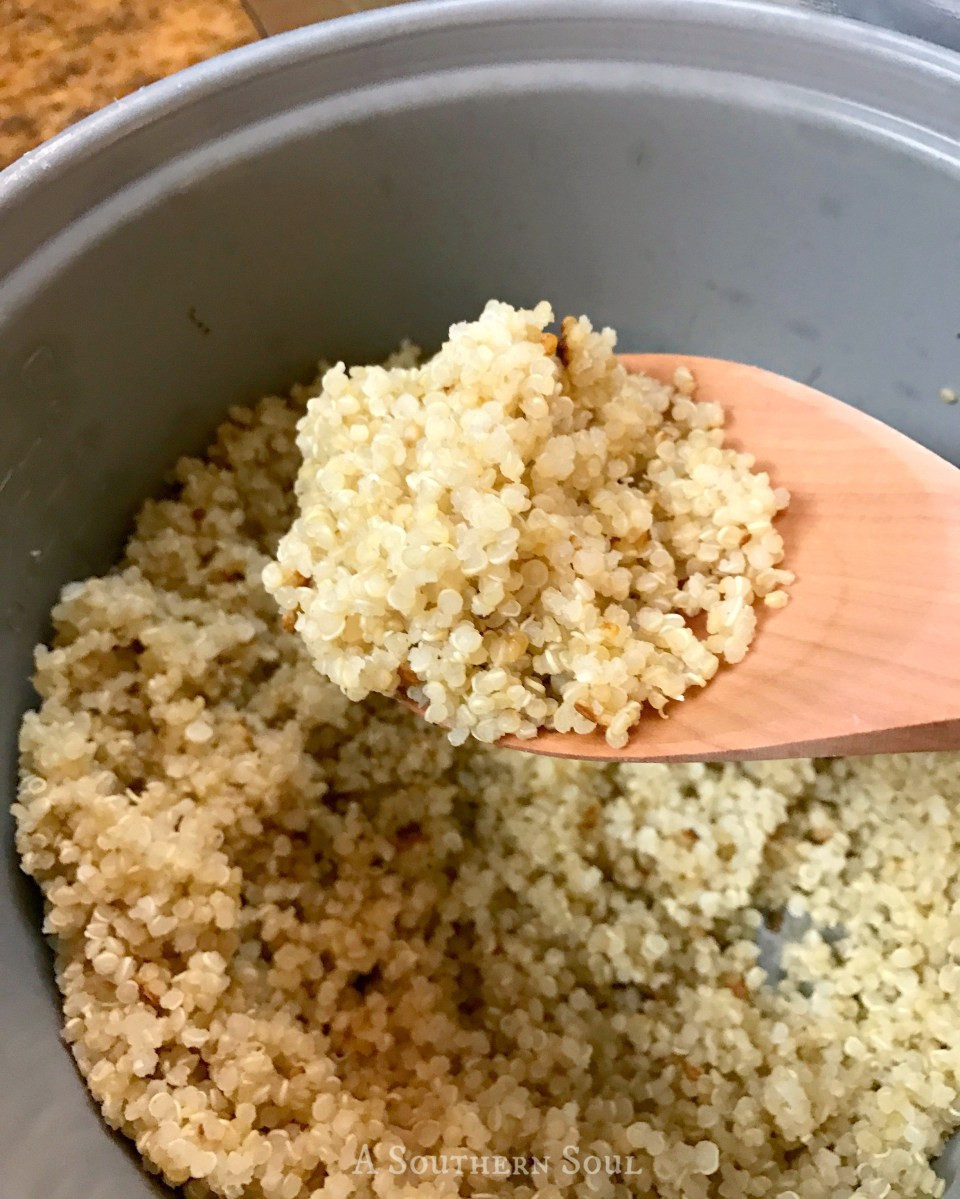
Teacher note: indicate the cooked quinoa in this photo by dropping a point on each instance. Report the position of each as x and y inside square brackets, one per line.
[293, 931]
[521, 535]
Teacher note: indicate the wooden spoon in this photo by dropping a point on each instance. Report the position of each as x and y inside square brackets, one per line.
[866, 656]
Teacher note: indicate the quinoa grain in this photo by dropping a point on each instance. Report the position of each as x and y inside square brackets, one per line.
[523, 503]
[319, 926]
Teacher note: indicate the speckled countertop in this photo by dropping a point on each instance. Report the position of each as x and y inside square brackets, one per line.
[62, 59]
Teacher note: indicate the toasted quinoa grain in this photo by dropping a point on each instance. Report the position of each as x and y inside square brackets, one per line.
[289, 927]
[521, 534]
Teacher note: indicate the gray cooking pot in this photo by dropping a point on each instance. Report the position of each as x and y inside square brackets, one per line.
[745, 181]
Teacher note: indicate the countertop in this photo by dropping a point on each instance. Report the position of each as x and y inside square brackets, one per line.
[63, 59]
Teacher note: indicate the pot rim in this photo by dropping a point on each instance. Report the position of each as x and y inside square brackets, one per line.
[167, 96]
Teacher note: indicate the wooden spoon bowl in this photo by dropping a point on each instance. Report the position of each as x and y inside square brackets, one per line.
[866, 656]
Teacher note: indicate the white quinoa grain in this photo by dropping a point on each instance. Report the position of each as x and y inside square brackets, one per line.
[524, 486]
[323, 927]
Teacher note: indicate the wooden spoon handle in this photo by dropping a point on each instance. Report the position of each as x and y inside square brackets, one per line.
[937, 737]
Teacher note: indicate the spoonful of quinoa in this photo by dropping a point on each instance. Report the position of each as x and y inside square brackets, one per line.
[536, 542]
